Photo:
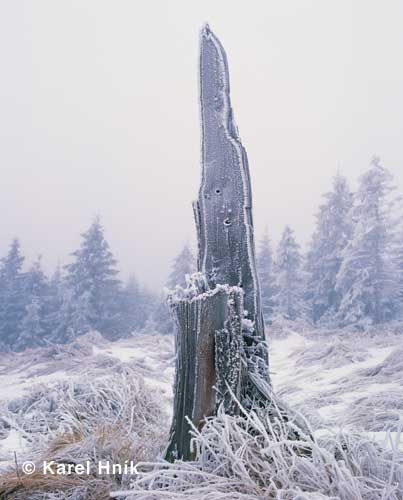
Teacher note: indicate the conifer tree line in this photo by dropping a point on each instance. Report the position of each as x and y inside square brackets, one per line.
[84, 295]
[352, 272]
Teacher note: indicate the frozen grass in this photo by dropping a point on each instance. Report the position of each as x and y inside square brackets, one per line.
[251, 457]
[330, 355]
[114, 419]
[101, 410]
[377, 412]
[391, 366]
[72, 407]
[340, 379]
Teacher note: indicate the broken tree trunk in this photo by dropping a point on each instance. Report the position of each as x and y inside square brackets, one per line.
[223, 211]
[207, 325]
[220, 339]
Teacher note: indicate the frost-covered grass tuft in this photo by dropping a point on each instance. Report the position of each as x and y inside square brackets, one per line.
[251, 457]
[113, 419]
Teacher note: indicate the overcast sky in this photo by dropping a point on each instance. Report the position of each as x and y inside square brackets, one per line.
[99, 114]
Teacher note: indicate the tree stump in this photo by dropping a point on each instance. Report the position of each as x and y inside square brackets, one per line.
[220, 339]
[207, 325]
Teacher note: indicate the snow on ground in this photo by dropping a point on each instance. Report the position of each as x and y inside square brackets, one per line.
[89, 358]
[152, 356]
[352, 381]
[335, 379]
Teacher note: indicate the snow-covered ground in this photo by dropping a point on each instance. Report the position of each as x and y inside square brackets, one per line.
[351, 381]
[88, 359]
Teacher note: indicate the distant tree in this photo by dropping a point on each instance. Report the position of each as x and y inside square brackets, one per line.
[266, 276]
[288, 297]
[78, 313]
[333, 232]
[35, 288]
[182, 265]
[53, 305]
[36, 282]
[398, 261]
[162, 316]
[12, 296]
[30, 331]
[136, 305]
[71, 319]
[93, 274]
[11, 265]
[368, 278]
[132, 313]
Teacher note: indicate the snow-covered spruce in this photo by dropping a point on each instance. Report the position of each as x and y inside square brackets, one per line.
[332, 233]
[266, 272]
[288, 296]
[369, 279]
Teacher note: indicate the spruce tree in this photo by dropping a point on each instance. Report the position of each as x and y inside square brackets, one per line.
[368, 278]
[288, 297]
[30, 332]
[266, 276]
[12, 296]
[333, 232]
[182, 265]
[92, 277]
[53, 304]
[36, 282]
[78, 316]
[398, 261]
[71, 320]
[136, 306]
[162, 316]
[35, 293]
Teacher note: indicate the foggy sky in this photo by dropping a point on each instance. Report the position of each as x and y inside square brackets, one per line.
[99, 114]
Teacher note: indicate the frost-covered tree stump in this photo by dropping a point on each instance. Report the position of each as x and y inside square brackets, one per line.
[220, 345]
[208, 362]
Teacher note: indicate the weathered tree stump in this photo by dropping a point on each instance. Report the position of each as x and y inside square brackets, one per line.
[220, 339]
[207, 324]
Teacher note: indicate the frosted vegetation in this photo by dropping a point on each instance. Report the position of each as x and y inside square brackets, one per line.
[252, 457]
[117, 404]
